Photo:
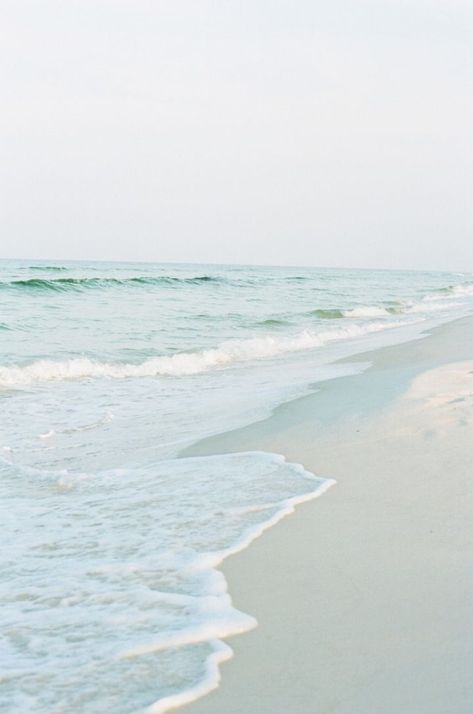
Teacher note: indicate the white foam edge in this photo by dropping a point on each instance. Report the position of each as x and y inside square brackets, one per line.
[211, 561]
[222, 652]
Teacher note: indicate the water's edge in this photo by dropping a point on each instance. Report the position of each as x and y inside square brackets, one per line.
[230, 442]
[222, 651]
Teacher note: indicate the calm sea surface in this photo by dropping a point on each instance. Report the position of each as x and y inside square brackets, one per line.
[110, 596]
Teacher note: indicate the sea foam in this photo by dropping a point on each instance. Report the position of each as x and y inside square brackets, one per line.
[114, 576]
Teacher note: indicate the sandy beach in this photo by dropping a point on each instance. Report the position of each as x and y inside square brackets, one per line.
[236, 357]
[363, 596]
[314, 421]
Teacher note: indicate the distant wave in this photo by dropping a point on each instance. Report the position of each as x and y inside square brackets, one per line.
[226, 354]
[328, 314]
[64, 284]
[274, 322]
[430, 303]
[48, 268]
[337, 314]
[465, 288]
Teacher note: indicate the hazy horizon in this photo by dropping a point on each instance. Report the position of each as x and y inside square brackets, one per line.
[258, 133]
[307, 266]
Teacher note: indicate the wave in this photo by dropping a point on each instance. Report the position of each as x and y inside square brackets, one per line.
[64, 284]
[336, 314]
[48, 268]
[465, 288]
[328, 314]
[274, 322]
[226, 354]
[429, 303]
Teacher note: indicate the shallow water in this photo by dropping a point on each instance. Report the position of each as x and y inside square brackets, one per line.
[110, 596]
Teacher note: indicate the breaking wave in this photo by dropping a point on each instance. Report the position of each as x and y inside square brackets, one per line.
[355, 312]
[226, 354]
[465, 288]
[430, 303]
[328, 314]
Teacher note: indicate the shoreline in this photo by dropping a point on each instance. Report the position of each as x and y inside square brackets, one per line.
[339, 589]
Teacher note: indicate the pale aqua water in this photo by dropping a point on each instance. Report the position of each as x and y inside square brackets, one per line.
[109, 594]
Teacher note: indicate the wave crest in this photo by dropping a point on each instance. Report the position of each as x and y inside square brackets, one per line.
[64, 284]
[328, 314]
[336, 314]
[226, 354]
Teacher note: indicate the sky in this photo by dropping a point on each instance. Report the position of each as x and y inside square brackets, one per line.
[299, 132]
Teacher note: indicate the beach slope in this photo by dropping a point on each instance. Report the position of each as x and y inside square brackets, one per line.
[364, 596]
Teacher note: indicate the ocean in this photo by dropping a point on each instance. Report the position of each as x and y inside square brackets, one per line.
[111, 596]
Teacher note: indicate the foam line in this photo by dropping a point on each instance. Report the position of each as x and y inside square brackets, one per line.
[222, 651]
[185, 363]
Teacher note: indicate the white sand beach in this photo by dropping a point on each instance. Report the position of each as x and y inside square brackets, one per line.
[236, 357]
[183, 414]
[364, 596]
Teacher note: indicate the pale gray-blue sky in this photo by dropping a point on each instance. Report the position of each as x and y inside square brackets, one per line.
[264, 131]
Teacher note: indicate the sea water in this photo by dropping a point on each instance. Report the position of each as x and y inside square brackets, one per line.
[111, 597]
